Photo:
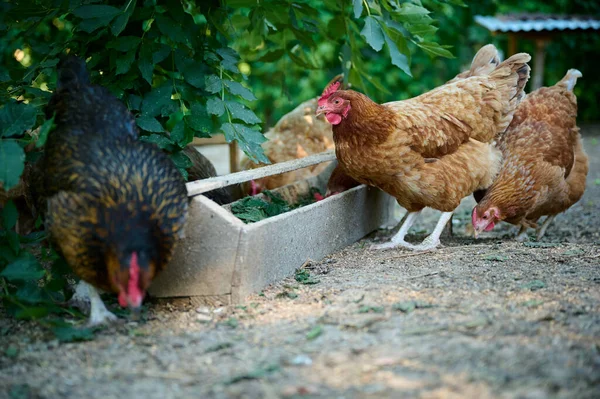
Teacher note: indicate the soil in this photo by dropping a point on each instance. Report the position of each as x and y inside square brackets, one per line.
[474, 319]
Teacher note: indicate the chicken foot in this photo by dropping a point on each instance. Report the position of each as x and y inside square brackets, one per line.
[542, 230]
[432, 240]
[522, 235]
[398, 238]
[85, 293]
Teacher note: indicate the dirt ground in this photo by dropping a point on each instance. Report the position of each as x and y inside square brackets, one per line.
[476, 319]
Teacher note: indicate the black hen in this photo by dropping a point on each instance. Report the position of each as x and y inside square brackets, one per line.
[115, 206]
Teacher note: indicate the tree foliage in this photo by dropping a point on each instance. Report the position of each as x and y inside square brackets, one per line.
[182, 68]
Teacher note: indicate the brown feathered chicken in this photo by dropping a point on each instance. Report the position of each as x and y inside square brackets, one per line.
[429, 151]
[484, 62]
[544, 168]
[115, 206]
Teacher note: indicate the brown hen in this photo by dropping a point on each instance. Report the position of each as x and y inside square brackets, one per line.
[544, 168]
[429, 151]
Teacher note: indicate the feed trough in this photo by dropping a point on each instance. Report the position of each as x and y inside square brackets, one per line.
[223, 259]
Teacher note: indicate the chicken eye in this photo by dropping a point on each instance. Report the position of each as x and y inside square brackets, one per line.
[336, 102]
[485, 216]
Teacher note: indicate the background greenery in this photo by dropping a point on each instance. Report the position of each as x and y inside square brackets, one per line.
[195, 68]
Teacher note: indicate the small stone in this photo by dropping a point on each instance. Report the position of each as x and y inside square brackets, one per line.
[203, 310]
[302, 360]
[218, 310]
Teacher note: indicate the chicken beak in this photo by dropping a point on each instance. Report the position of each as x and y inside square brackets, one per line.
[320, 110]
[476, 233]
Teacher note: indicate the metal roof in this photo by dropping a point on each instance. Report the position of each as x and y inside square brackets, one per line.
[536, 22]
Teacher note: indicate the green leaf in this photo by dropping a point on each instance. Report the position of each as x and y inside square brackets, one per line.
[32, 312]
[147, 24]
[32, 294]
[215, 106]
[534, 285]
[248, 139]
[422, 30]
[181, 160]
[149, 124]
[73, 334]
[15, 118]
[90, 25]
[539, 244]
[44, 130]
[171, 29]
[194, 75]
[237, 89]
[372, 33]
[230, 59]
[145, 63]
[213, 84]
[199, 120]
[315, 332]
[161, 54]
[14, 241]
[12, 163]
[412, 13]
[435, 49]
[24, 268]
[124, 62]
[272, 56]
[400, 57]
[124, 43]
[158, 139]
[238, 111]
[9, 215]
[357, 5]
[371, 309]
[156, 100]
[120, 22]
[96, 11]
[181, 134]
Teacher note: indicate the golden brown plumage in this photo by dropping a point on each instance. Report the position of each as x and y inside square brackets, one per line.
[431, 150]
[544, 168]
[115, 206]
[484, 62]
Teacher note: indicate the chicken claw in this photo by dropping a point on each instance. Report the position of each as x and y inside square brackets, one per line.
[87, 294]
[432, 241]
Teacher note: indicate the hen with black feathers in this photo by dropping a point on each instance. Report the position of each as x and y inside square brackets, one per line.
[115, 206]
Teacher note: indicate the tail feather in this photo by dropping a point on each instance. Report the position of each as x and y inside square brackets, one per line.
[570, 79]
[484, 62]
[510, 78]
[72, 72]
[513, 74]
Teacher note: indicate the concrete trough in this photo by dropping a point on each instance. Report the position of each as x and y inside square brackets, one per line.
[223, 259]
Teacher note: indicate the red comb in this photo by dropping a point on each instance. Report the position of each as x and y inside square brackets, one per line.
[329, 90]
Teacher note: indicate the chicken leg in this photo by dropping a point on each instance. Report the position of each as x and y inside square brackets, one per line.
[398, 238]
[98, 312]
[433, 240]
[542, 230]
[522, 235]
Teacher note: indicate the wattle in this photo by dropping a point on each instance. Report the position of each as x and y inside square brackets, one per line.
[332, 118]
